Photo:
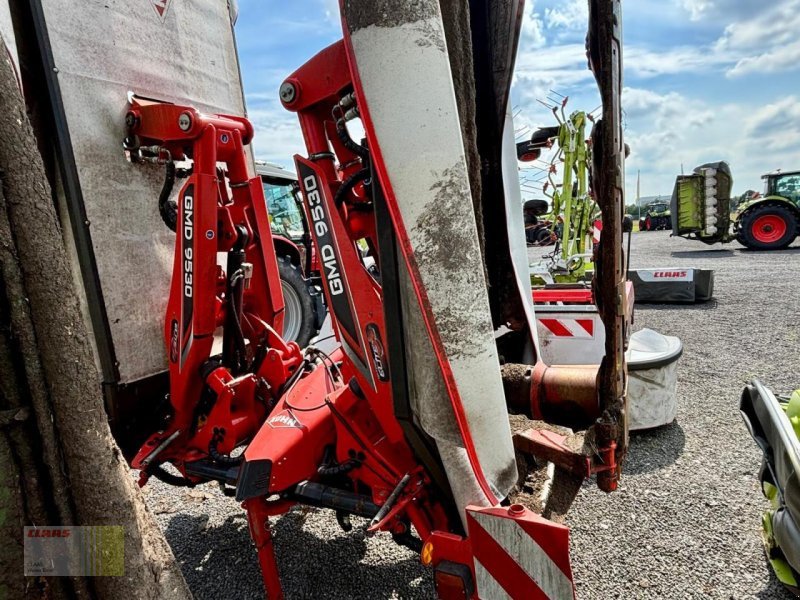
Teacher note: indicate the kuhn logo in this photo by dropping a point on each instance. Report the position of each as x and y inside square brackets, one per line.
[378, 352]
[49, 533]
[174, 339]
[161, 7]
[669, 274]
[284, 419]
[321, 229]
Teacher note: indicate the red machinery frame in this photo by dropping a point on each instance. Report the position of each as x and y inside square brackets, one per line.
[329, 430]
[215, 403]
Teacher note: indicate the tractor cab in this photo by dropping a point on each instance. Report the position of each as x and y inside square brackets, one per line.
[298, 265]
[280, 190]
[784, 185]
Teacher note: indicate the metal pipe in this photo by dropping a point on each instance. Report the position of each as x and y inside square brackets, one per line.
[323, 496]
[563, 395]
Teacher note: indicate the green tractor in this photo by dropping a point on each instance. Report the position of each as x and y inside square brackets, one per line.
[771, 222]
[657, 216]
[701, 209]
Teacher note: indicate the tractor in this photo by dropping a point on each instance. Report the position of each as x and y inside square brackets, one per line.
[298, 264]
[772, 221]
[701, 209]
[657, 216]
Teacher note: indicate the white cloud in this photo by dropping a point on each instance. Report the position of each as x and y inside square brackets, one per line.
[572, 15]
[645, 62]
[560, 68]
[766, 43]
[668, 130]
[697, 8]
[278, 136]
[776, 126]
[532, 35]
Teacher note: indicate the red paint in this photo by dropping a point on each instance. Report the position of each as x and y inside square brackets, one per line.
[556, 327]
[769, 229]
[669, 274]
[587, 325]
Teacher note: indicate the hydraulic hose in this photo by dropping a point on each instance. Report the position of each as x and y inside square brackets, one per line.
[349, 184]
[348, 142]
[166, 207]
[219, 458]
[164, 476]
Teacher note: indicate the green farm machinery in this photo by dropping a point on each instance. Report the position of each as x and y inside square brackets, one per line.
[573, 209]
[701, 209]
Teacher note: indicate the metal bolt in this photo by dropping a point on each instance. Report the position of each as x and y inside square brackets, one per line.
[288, 92]
[185, 121]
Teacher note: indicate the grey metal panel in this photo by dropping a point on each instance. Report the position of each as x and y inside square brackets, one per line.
[185, 53]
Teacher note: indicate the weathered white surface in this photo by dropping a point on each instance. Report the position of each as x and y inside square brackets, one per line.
[410, 100]
[526, 552]
[652, 393]
[516, 229]
[7, 31]
[580, 347]
[103, 49]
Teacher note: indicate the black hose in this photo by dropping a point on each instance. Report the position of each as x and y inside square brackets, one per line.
[159, 473]
[166, 207]
[349, 184]
[408, 540]
[330, 467]
[337, 468]
[348, 142]
[222, 459]
[238, 309]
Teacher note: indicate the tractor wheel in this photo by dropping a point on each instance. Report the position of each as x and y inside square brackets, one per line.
[767, 227]
[544, 237]
[648, 223]
[298, 315]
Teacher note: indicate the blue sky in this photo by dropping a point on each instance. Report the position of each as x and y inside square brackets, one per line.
[705, 80]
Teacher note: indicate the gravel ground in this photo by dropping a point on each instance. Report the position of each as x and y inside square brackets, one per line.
[684, 523]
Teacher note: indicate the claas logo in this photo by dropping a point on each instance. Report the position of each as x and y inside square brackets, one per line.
[48, 533]
[670, 274]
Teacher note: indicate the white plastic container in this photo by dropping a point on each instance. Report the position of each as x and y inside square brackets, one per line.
[652, 379]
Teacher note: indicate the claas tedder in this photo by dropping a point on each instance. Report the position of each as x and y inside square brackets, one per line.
[422, 250]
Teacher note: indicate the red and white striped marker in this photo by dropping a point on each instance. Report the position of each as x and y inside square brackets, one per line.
[518, 554]
[568, 328]
[597, 229]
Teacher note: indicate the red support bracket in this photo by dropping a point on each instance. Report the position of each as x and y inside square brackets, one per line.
[552, 447]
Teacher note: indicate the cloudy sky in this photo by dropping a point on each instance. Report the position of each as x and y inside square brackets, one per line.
[705, 80]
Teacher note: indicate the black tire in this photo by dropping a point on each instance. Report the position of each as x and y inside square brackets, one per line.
[757, 238]
[544, 237]
[543, 134]
[298, 318]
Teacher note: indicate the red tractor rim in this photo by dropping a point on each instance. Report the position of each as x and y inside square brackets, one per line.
[769, 229]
